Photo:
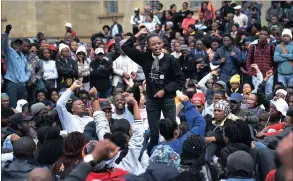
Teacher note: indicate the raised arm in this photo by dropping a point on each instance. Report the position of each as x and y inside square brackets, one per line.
[4, 42]
[131, 51]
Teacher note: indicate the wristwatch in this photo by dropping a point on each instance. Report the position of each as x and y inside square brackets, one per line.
[89, 159]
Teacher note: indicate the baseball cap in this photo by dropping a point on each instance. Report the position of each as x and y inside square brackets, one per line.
[105, 105]
[19, 105]
[14, 40]
[236, 97]
[68, 25]
[240, 162]
[36, 108]
[18, 118]
[99, 51]
[184, 47]
[237, 7]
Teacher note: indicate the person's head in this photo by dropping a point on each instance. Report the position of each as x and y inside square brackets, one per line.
[149, 18]
[24, 148]
[194, 148]
[253, 20]
[155, 44]
[247, 88]
[287, 36]
[34, 48]
[81, 53]
[177, 35]
[68, 27]
[263, 35]
[107, 109]
[210, 83]
[215, 44]
[19, 123]
[64, 50]
[73, 46]
[230, 16]
[173, 8]
[240, 164]
[235, 27]
[169, 26]
[38, 110]
[184, 5]
[40, 36]
[169, 129]
[16, 44]
[275, 4]
[159, 6]
[84, 96]
[158, 28]
[252, 100]
[204, 6]
[106, 29]
[78, 108]
[177, 46]
[289, 90]
[274, 20]
[4, 100]
[136, 11]
[6, 113]
[191, 38]
[182, 40]
[40, 174]
[168, 14]
[218, 14]
[189, 14]
[43, 42]
[119, 102]
[215, 26]
[53, 95]
[199, 45]
[221, 110]
[198, 100]
[191, 28]
[227, 40]
[280, 94]
[26, 45]
[235, 102]
[219, 85]
[278, 108]
[114, 19]
[237, 132]
[237, 10]
[40, 95]
[224, 3]
[45, 54]
[289, 119]
[235, 82]
[201, 15]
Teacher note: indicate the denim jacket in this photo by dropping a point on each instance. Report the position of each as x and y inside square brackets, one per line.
[17, 68]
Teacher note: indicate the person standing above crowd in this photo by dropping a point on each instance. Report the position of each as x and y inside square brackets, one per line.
[240, 18]
[135, 20]
[69, 30]
[18, 72]
[116, 28]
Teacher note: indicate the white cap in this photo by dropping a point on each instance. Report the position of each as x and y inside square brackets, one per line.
[62, 46]
[281, 106]
[136, 9]
[19, 104]
[99, 50]
[287, 31]
[237, 7]
[214, 67]
[68, 25]
[81, 49]
[281, 91]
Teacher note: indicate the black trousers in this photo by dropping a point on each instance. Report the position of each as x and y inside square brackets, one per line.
[154, 108]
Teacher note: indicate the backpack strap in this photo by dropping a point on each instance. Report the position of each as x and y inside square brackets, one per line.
[284, 48]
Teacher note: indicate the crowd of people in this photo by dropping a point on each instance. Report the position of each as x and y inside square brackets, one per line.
[202, 97]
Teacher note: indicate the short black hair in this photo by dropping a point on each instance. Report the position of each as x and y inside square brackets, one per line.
[40, 91]
[167, 127]
[129, 34]
[151, 36]
[26, 40]
[83, 92]
[219, 92]
[172, 6]
[169, 12]
[264, 28]
[227, 35]
[191, 26]
[185, 3]
[161, 5]
[24, 147]
[106, 26]
[6, 112]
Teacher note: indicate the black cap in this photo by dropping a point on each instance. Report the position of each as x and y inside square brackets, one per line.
[105, 105]
[14, 40]
[18, 118]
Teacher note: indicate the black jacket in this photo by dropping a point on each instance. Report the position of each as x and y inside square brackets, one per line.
[67, 72]
[231, 148]
[100, 71]
[120, 29]
[169, 77]
[188, 66]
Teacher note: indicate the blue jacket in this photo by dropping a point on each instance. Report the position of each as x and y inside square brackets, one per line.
[17, 68]
[283, 60]
[195, 122]
[231, 66]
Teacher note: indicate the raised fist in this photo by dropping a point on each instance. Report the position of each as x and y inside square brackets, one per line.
[8, 29]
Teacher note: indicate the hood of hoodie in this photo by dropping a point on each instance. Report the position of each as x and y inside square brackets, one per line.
[156, 172]
[18, 169]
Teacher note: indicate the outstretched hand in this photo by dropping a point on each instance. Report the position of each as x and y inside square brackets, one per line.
[104, 150]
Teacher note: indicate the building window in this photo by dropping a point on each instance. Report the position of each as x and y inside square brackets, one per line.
[111, 6]
[195, 4]
[152, 4]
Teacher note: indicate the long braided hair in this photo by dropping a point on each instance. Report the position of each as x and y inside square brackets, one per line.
[72, 148]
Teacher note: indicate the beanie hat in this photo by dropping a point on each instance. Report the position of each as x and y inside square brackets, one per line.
[4, 96]
[165, 154]
[199, 97]
[240, 162]
[62, 46]
[81, 49]
[224, 106]
[281, 91]
[287, 31]
[235, 78]
[36, 108]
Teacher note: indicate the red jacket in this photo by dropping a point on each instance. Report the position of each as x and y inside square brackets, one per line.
[111, 175]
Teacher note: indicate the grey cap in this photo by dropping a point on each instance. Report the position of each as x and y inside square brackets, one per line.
[184, 47]
[221, 83]
[240, 162]
[37, 107]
